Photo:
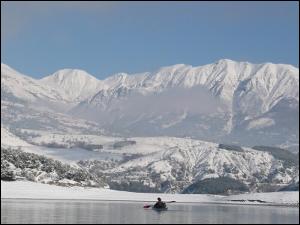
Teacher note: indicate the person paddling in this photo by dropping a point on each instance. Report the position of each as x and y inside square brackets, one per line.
[160, 204]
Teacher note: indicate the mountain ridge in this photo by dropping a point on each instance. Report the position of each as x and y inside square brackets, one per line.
[253, 98]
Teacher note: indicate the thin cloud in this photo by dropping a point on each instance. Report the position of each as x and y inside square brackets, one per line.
[18, 16]
[196, 100]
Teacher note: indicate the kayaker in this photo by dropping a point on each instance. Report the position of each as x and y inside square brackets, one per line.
[160, 204]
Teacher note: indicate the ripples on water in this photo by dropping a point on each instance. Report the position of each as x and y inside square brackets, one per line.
[88, 212]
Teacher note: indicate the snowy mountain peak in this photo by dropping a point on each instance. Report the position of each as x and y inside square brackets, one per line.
[75, 85]
[70, 74]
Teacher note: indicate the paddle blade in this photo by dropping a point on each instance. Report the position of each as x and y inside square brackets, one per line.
[147, 206]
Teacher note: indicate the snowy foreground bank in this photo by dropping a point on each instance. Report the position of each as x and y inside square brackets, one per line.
[31, 190]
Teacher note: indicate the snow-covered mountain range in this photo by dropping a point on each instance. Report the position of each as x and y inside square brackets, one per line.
[227, 101]
[196, 117]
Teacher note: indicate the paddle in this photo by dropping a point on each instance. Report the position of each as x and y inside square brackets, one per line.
[148, 206]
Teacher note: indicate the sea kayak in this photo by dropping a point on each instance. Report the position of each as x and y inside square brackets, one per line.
[160, 209]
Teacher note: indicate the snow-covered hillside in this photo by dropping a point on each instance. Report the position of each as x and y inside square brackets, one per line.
[9, 139]
[23, 116]
[170, 164]
[183, 162]
[18, 88]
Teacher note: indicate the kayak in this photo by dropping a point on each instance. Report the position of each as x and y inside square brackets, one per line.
[157, 209]
[160, 209]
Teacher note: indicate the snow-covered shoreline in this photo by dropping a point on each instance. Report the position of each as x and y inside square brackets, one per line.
[31, 190]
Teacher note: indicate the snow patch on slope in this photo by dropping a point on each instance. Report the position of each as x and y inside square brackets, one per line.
[178, 120]
[260, 123]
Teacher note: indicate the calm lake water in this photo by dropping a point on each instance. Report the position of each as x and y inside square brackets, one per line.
[86, 212]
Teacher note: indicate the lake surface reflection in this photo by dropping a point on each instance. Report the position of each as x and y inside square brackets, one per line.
[91, 212]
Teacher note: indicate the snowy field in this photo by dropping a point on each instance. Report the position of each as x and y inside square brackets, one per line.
[30, 190]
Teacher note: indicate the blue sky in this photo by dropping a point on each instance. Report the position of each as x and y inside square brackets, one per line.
[103, 38]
